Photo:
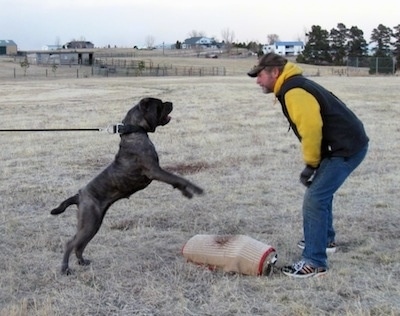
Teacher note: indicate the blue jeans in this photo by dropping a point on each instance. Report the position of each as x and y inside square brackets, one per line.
[317, 205]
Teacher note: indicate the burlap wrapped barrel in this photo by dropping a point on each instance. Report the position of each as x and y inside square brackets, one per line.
[231, 253]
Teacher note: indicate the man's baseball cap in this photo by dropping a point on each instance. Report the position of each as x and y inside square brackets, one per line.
[267, 60]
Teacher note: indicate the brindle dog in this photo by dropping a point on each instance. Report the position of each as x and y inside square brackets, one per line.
[135, 166]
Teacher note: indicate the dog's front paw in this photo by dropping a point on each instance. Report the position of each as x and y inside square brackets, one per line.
[83, 262]
[197, 189]
[191, 189]
[67, 271]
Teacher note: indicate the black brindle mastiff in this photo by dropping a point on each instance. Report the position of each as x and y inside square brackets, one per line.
[135, 166]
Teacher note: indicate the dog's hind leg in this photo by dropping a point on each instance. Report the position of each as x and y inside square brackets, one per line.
[80, 246]
[78, 243]
[90, 218]
[84, 236]
[68, 248]
[89, 221]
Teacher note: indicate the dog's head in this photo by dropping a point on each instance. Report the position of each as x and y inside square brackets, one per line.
[149, 113]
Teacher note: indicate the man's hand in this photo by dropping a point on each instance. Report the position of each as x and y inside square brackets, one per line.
[306, 175]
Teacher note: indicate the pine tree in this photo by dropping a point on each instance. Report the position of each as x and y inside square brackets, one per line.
[316, 51]
[356, 45]
[396, 44]
[383, 63]
[338, 38]
[381, 36]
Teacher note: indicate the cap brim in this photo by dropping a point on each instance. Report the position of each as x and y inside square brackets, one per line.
[255, 71]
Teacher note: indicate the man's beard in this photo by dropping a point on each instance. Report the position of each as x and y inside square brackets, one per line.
[266, 90]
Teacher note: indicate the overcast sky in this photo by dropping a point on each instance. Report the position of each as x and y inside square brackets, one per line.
[125, 23]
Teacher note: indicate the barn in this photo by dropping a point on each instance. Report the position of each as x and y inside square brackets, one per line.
[62, 57]
[8, 47]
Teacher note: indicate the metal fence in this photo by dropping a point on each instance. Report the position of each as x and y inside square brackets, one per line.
[146, 67]
[108, 68]
[375, 65]
[158, 70]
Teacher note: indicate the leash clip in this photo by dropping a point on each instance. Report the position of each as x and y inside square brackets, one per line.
[114, 128]
[121, 129]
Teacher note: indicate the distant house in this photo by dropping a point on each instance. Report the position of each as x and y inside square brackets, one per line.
[52, 47]
[199, 42]
[8, 47]
[78, 45]
[284, 48]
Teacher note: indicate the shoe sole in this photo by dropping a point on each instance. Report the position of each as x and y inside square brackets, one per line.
[305, 276]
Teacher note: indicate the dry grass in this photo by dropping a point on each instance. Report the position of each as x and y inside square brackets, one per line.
[230, 139]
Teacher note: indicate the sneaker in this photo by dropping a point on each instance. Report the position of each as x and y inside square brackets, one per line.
[302, 270]
[331, 248]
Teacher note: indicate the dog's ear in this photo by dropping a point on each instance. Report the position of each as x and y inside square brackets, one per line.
[149, 109]
[144, 104]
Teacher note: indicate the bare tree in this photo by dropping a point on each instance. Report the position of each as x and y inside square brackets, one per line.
[255, 47]
[58, 42]
[299, 38]
[150, 41]
[272, 38]
[228, 36]
[305, 38]
[215, 38]
[25, 64]
[195, 33]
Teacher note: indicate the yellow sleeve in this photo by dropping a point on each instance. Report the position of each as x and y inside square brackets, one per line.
[304, 112]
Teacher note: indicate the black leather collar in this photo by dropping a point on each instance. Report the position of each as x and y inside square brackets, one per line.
[124, 129]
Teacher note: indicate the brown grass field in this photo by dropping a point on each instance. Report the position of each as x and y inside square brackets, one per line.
[227, 137]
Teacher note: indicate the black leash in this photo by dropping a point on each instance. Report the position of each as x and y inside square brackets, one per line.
[111, 129]
[50, 129]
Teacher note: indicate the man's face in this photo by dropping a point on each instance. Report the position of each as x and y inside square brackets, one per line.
[266, 79]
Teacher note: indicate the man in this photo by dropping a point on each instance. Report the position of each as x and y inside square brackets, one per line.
[333, 144]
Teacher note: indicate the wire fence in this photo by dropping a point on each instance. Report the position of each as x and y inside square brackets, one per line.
[146, 67]
[115, 66]
[108, 68]
[374, 65]
[158, 70]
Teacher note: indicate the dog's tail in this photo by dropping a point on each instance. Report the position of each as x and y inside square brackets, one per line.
[70, 201]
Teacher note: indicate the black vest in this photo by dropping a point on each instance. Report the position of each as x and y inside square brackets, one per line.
[343, 133]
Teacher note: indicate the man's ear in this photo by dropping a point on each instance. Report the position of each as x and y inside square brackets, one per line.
[275, 72]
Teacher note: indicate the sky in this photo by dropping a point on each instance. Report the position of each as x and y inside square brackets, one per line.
[32, 24]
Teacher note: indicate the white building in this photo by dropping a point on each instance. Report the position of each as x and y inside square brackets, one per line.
[284, 48]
